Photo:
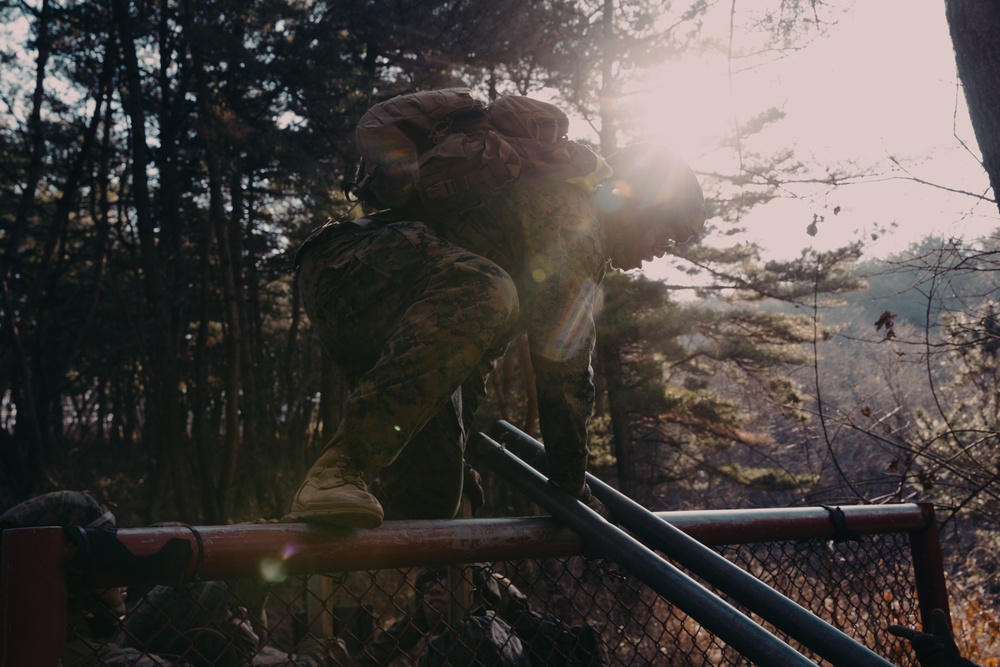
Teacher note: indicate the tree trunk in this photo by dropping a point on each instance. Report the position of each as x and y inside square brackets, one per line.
[204, 437]
[209, 129]
[295, 429]
[609, 88]
[162, 428]
[234, 338]
[530, 423]
[612, 365]
[28, 431]
[975, 34]
[36, 145]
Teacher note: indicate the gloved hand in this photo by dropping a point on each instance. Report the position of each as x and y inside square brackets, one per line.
[472, 486]
[936, 648]
[325, 652]
[585, 496]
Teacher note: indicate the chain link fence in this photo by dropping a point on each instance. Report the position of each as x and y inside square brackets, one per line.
[568, 609]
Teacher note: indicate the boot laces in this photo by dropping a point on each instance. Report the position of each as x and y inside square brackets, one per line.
[344, 472]
[352, 475]
[348, 473]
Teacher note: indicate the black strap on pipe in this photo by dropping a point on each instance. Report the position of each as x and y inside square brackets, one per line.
[100, 550]
[799, 623]
[610, 541]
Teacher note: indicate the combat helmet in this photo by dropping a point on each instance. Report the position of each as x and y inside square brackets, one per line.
[58, 508]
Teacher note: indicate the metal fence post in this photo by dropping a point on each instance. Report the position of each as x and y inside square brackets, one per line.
[33, 597]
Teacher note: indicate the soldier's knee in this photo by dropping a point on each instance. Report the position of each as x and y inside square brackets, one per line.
[505, 300]
[489, 293]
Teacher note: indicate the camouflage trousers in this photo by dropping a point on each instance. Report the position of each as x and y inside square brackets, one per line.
[417, 323]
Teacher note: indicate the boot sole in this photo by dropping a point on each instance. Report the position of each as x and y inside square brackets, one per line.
[346, 518]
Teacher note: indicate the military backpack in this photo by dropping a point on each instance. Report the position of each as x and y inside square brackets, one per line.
[439, 153]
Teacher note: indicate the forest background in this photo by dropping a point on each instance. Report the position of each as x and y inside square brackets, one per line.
[161, 161]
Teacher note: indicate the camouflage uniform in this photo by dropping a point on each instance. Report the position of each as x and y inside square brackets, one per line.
[418, 316]
[403, 637]
[408, 636]
[205, 622]
[500, 628]
[479, 639]
[195, 621]
[547, 237]
[317, 654]
[83, 652]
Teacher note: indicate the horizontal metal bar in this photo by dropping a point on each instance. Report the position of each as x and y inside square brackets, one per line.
[248, 550]
[720, 527]
[244, 550]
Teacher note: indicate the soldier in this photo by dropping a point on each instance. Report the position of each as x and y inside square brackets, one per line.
[93, 615]
[476, 640]
[498, 628]
[424, 615]
[425, 620]
[172, 626]
[417, 312]
[207, 624]
[196, 621]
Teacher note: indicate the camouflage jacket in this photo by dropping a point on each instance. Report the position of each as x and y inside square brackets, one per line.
[84, 652]
[548, 239]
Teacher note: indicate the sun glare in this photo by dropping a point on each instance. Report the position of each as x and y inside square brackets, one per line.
[875, 105]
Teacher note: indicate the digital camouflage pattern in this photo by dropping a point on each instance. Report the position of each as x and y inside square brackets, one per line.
[316, 654]
[547, 236]
[410, 317]
[84, 652]
[206, 623]
[418, 315]
[198, 621]
[407, 635]
[480, 640]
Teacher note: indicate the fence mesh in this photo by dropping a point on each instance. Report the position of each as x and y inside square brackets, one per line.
[554, 611]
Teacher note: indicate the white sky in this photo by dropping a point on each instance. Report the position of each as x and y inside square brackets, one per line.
[881, 83]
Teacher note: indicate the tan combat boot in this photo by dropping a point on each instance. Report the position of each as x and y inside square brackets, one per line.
[335, 493]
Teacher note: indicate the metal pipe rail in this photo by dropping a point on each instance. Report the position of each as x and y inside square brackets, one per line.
[243, 550]
[33, 580]
[714, 614]
[799, 623]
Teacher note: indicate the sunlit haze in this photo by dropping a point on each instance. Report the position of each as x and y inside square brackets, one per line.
[880, 87]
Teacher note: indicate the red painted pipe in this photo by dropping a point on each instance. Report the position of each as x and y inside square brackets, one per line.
[244, 550]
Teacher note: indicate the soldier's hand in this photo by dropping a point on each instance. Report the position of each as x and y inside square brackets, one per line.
[935, 648]
[585, 496]
[325, 652]
[472, 486]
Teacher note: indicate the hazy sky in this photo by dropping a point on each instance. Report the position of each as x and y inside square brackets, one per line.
[881, 83]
